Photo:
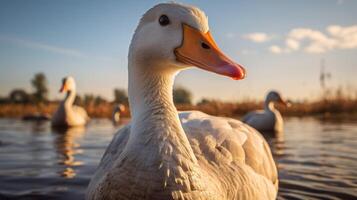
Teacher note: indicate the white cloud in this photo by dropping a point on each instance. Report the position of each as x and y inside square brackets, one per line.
[275, 49]
[336, 37]
[258, 37]
[46, 47]
[315, 48]
[346, 36]
[247, 52]
[319, 42]
[292, 44]
[53, 49]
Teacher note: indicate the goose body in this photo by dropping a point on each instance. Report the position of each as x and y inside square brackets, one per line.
[118, 109]
[232, 161]
[67, 114]
[163, 154]
[269, 119]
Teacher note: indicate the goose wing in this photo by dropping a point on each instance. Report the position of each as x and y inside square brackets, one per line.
[251, 115]
[80, 111]
[111, 154]
[225, 141]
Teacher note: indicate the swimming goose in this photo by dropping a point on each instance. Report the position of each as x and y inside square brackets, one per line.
[118, 109]
[68, 114]
[269, 119]
[163, 154]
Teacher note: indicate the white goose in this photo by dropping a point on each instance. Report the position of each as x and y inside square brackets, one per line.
[165, 155]
[118, 109]
[269, 119]
[67, 114]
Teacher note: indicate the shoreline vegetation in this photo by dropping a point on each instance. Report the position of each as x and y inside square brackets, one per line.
[323, 107]
[20, 103]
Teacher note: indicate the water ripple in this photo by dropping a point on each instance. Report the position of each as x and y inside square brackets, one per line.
[316, 159]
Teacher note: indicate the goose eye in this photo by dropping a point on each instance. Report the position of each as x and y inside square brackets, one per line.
[205, 46]
[164, 20]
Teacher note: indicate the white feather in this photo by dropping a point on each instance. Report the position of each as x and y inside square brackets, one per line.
[163, 154]
[268, 119]
[67, 114]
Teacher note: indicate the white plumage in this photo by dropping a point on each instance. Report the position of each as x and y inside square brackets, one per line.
[233, 162]
[67, 114]
[118, 109]
[165, 155]
[269, 119]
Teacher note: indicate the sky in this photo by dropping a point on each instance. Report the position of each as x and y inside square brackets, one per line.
[280, 42]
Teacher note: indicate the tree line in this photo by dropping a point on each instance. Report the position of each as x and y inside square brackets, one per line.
[40, 94]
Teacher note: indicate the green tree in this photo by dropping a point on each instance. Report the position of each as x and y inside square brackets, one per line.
[120, 96]
[182, 96]
[88, 99]
[99, 100]
[19, 96]
[78, 100]
[39, 82]
[204, 101]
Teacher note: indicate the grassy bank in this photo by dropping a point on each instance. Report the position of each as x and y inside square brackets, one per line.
[321, 107]
[104, 110]
[19, 110]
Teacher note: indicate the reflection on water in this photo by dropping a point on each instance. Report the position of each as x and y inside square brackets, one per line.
[67, 145]
[316, 158]
[38, 162]
[276, 142]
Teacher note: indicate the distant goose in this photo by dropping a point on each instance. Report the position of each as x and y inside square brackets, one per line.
[67, 114]
[269, 119]
[118, 109]
[165, 155]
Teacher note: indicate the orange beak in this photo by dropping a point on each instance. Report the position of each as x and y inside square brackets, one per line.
[200, 50]
[122, 108]
[63, 88]
[284, 103]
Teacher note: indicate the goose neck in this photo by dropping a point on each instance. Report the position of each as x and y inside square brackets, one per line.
[154, 116]
[69, 99]
[269, 106]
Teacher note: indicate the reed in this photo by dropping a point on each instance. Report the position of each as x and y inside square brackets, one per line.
[103, 110]
[335, 103]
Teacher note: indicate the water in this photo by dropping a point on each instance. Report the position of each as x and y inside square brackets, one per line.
[316, 159]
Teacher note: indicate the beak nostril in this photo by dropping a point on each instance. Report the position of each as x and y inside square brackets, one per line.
[205, 46]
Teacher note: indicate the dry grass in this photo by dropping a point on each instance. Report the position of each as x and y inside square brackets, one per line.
[297, 109]
[20, 110]
[322, 107]
[104, 110]
[338, 103]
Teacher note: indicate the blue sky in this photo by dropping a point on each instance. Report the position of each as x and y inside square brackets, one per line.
[279, 42]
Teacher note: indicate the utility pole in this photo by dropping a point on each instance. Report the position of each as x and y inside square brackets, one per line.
[323, 77]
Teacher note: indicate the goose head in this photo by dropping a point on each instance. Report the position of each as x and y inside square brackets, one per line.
[68, 84]
[119, 108]
[172, 36]
[275, 97]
